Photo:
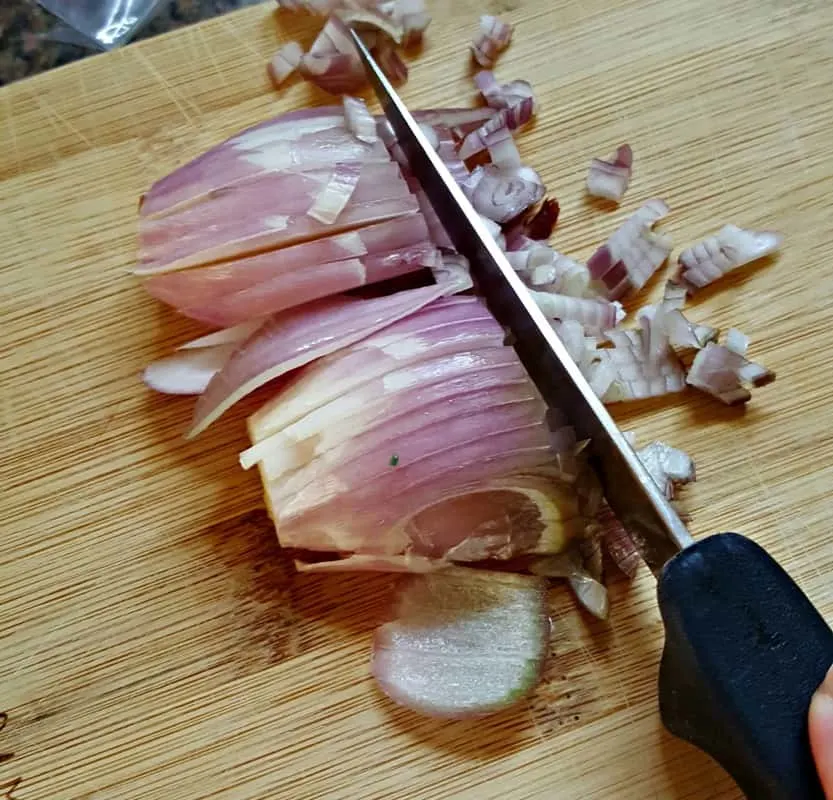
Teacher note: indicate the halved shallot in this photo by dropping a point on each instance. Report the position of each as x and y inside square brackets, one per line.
[610, 178]
[730, 248]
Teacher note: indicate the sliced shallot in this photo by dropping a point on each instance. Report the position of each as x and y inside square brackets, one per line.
[732, 247]
[463, 642]
[609, 178]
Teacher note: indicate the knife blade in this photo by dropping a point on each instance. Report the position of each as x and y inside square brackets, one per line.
[635, 498]
[744, 647]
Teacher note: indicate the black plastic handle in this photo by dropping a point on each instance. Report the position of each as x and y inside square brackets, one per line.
[745, 650]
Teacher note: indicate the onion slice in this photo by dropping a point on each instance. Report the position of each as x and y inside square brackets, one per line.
[359, 121]
[732, 247]
[187, 371]
[463, 642]
[294, 338]
[502, 194]
[508, 95]
[495, 130]
[610, 178]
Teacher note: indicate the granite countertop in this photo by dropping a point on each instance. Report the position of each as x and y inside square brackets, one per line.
[26, 50]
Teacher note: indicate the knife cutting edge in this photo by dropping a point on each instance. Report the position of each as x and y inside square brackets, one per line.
[745, 649]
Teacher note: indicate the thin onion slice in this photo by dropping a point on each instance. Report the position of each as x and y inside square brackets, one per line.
[502, 194]
[359, 121]
[335, 196]
[500, 96]
[632, 253]
[187, 371]
[732, 247]
[294, 338]
[463, 642]
[610, 178]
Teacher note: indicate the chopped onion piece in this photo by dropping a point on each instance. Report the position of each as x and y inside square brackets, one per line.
[725, 373]
[364, 19]
[494, 132]
[590, 592]
[617, 542]
[641, 371]
[508, 95]
[187, 371]
[412, 16]
[463, 642]
[731, 248]
[335, 196]
[599, 315]
[610, 178]
[285, 62]
[336, 73]
[359, 121]
[493, 38]
[502, 194]
[633, 252]
[453, 272]
[668, 466]
[391, 62]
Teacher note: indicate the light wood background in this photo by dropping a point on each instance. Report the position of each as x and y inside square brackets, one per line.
[153, 642]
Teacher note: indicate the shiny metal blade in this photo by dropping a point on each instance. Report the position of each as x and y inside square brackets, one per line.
[631, 492]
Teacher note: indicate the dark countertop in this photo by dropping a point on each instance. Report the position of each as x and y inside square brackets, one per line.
[25, 50]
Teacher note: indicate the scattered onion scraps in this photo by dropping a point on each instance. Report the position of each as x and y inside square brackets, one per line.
[610, 178]
[404, 434]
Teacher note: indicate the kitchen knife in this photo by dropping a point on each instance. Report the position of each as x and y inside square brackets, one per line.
[744, 647]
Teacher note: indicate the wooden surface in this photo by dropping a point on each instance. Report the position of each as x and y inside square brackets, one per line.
[153, 643]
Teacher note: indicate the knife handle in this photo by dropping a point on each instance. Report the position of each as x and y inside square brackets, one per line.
[744, 652]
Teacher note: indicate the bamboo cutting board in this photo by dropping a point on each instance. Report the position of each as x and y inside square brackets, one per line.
[154, 642]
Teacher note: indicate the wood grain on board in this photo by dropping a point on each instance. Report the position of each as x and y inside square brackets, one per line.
[153, 642]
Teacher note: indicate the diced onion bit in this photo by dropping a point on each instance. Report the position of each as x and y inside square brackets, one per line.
[285, 62]
[463, 643]
[492, 38]
[633, 252]
[730, 248]
[610, 178]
